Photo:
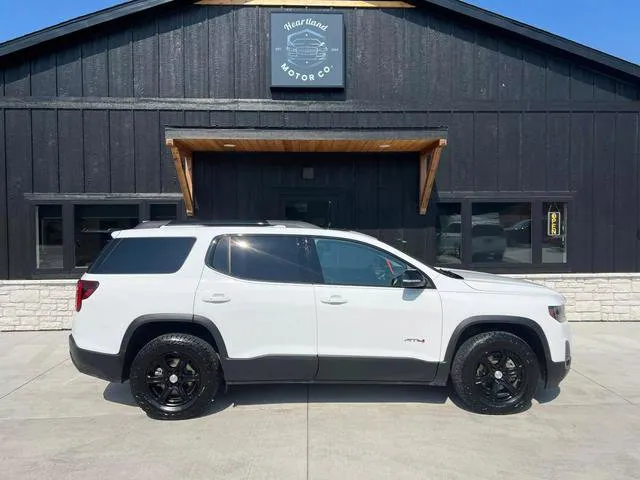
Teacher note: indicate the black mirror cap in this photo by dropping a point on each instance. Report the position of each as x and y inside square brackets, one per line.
[413, 279]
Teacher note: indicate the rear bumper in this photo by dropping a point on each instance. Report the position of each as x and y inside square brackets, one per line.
[100, 365]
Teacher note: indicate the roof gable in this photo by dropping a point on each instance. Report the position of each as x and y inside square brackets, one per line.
[456, 6]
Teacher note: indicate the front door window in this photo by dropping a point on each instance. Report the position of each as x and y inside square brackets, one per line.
[350, 263]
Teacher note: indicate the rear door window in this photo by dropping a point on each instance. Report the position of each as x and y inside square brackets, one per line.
[157, 255]
[268, 258]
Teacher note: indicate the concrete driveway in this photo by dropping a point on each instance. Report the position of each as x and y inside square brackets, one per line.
[56, 423]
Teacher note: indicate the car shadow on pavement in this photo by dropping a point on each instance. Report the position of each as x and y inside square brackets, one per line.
[247, 395]
[545, 396]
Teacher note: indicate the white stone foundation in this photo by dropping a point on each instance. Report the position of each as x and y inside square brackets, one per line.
[37, 304]
[50, 304]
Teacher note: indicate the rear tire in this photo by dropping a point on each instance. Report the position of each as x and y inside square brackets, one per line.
[175, 377]
[495, 373]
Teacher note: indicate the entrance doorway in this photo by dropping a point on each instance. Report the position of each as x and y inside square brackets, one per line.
[319, 209]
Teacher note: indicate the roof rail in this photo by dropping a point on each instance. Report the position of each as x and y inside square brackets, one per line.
[225, 223]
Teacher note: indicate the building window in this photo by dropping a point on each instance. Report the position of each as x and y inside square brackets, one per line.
[94, 225]
[501, 232]
[554, 240]
[163, 211]
[49, 237]
[449, 234]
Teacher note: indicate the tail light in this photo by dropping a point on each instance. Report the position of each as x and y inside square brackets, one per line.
[84, 290]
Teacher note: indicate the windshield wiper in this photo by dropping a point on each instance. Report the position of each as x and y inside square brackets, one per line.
[449, 273]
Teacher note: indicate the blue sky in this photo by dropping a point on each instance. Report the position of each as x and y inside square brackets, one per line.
[613, 26]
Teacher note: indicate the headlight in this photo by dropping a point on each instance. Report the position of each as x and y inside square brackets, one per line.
[557, 312]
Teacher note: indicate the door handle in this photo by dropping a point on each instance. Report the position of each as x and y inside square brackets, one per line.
[216, 298]
[334, 300]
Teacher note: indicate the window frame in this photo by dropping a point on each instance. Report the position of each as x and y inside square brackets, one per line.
[68, 202]
[537, 201]
[312, 246]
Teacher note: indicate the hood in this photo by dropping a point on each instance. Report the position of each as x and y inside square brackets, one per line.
[487, 282]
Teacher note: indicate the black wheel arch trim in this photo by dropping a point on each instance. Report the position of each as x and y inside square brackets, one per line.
[174, 317]
[445, 366]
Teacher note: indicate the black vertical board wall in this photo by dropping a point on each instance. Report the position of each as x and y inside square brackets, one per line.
[45, 151]
[71, 151]
[96, 151]
[603, 194]
[145, 59]
[558, 144]
[581, 224]
[460, 152]
[558, 79]
[221, 52]
[4, 250]
[69, 71]
[147, 151]
[534, 152]
[17, 81]
[509, 141]
[120, 74]
[625, 191]
[534, 78]
[171, 55]
[486, 151]
[19, 175]
[582, 84]
[510, 71]
[196, 45]
[43, 76]
[122, 151]
[94, 67]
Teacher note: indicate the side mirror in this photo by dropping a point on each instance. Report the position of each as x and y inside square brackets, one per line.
[413, 279]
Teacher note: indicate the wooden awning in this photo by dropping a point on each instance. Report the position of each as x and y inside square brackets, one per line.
[427, 143]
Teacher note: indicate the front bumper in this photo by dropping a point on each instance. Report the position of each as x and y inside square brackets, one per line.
[100, 365]
[556, 371]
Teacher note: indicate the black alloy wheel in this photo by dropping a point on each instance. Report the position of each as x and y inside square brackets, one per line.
[500, 376]
[495, 373]
[173, 380]
[175, 376]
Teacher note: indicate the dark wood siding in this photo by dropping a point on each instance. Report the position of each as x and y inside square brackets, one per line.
[87, 115]
[413, 57]
[4, 250]
[20, 172]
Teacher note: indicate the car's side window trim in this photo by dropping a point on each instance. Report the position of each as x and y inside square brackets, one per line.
[313, 251]
[208, 259]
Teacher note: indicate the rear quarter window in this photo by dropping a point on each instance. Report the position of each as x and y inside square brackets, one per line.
[158, 255]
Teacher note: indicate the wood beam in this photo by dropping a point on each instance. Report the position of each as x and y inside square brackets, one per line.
[310, 3]
[179, 156]
[428, 175]
[188, 171]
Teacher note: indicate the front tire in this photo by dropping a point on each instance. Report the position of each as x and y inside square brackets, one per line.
[175, 377]
[495, 373]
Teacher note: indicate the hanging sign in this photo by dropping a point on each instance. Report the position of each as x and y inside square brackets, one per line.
[554, 219]
[307, 50]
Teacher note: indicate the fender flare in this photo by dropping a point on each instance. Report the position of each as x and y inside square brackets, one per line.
[445, 366]
[174, 317]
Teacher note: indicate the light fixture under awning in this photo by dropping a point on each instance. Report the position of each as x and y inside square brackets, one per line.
[428, 143]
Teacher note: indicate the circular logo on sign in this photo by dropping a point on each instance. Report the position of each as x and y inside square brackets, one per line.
[307, 48]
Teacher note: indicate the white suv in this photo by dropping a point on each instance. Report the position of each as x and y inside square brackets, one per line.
[181, 310]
